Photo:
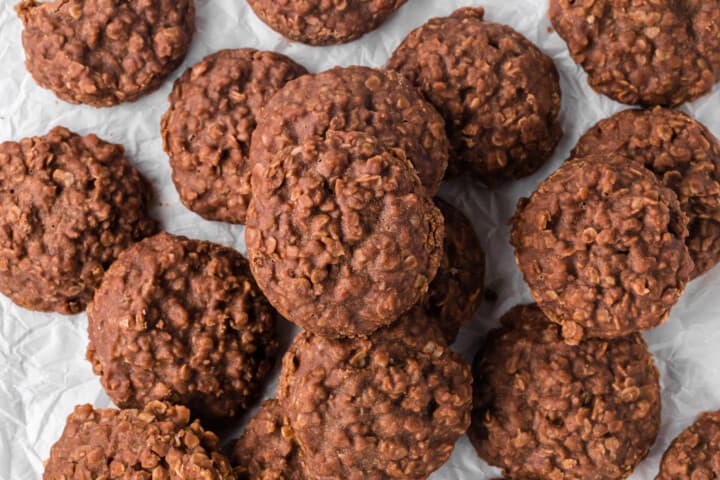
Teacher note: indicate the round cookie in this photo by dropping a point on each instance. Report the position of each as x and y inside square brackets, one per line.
[182, 321]
[455, 293]
[378, 102]
[267, 449]
[695, 453]
[104, 53]
[68, 206]
[207, 130]
[546, 409]
[319, 22]
[601, 244]
[683, 154]
[498, 93]
[388, 406]
[340, 234]
[643, 52]
[157, 442]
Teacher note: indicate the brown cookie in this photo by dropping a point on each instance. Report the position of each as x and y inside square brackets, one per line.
[206, 132]
[498, 93]
[545, 409]
[68, 206]
[456, 291]
[157, 442]
[182, 321]
[103, 53]
[267, 449]
[695, 453]
[340, 234]
[388, 406]
[377, 102]
[683, 154]
[319, 22]
[602, 245]
[643, 52]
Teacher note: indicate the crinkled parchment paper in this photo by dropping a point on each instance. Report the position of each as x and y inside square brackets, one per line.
[43, 373]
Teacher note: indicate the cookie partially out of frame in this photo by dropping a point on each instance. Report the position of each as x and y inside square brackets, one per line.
[695, 453]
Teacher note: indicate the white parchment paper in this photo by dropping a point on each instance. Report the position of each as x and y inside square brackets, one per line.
[43, 373]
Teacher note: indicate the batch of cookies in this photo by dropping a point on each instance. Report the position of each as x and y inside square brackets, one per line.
[334, 175]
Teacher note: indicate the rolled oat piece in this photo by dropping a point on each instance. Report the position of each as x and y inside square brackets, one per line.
[643, 52]
[695, 453]
[683, 154]
[341, 236]
[156, 442]
[319, 22]
[546, 409]
[206, 132]
[68, 206]
[601, 244]
[498, 93]
[182, 321]
[103, 53]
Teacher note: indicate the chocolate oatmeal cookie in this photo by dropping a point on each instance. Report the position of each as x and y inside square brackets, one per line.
[158, 442]
[390, 406]
[643, 52]
[498, 93]
[695, 453]
[68, 206]
[341, 236]
[206, 132]
[182, 321]
[456, 291]
[602, 245]
[546, 409]
[319, 22]
[103, 53]
[267, 449]
[377, 102]
[686, 158]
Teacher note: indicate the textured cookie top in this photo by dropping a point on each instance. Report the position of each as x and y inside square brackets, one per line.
[182, 321]
[456, 291]
[267, 449]
[68, 206]
[498, 93]
[388, 406]
[683, 154]
[695, 453]
[320, 22]
[545, 409]
[648, 52]
[602, 245]
[103, 53]
[379, 103]
[206, 132]
[341, 236]
[157, 442]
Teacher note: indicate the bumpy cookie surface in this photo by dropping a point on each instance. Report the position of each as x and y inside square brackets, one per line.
[390, 406]
[206, 132]
[157, 442]
[683, 154]
[340, 234]
[695, 453]
[319, 22]
[545, 409]
[103, 53]
[68, 206]
[644, 52]
[602, 245]
[182, 321]
[498, 93]
[379, 103]
[456, 291]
